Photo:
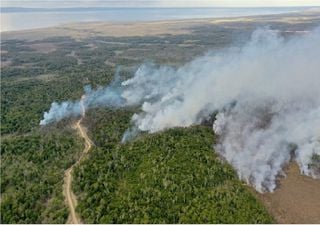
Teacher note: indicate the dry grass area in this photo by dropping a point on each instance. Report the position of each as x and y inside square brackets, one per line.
[155, 28]
[296, 200]
[43, 47]
[42, 77]
[87, 30]
[5, 63]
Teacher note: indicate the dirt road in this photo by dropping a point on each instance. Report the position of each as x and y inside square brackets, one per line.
[67, 187]
[297, 200]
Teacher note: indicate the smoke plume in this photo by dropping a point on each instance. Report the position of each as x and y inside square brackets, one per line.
[266, 95]
[109, 96]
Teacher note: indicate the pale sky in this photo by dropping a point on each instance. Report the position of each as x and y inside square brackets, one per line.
[156, 3]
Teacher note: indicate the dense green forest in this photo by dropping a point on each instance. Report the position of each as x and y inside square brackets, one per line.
[170, 177]
[32, 169]
[34, 158]
[173, 176]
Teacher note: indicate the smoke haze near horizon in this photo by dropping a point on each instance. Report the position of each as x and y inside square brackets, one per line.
[266, 95]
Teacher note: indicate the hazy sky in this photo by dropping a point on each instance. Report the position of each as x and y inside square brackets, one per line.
[156, 3]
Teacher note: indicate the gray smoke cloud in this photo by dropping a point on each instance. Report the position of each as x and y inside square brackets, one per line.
[109, 96]
[266, 95]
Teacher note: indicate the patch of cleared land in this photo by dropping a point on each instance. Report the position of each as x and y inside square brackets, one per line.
[296, 200]
[43, 47]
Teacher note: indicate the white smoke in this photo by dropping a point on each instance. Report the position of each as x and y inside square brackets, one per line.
[60, 111]
[109, 96]
[267, 95]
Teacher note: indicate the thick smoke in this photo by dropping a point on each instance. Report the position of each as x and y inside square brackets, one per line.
[109, 96]
[267, 95]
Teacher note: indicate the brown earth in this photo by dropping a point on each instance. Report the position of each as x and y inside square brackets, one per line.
[43, 47]
[296, 200]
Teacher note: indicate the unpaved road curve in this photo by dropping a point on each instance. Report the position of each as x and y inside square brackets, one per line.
[67, 187]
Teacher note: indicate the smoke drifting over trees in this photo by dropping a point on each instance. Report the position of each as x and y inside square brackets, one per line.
[266, 95]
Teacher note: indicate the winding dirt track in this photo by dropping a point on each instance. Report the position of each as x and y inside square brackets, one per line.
[67, 187]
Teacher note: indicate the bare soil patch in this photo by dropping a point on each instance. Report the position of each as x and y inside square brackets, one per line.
[296, 200]
[5, 63]
[43, 47]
